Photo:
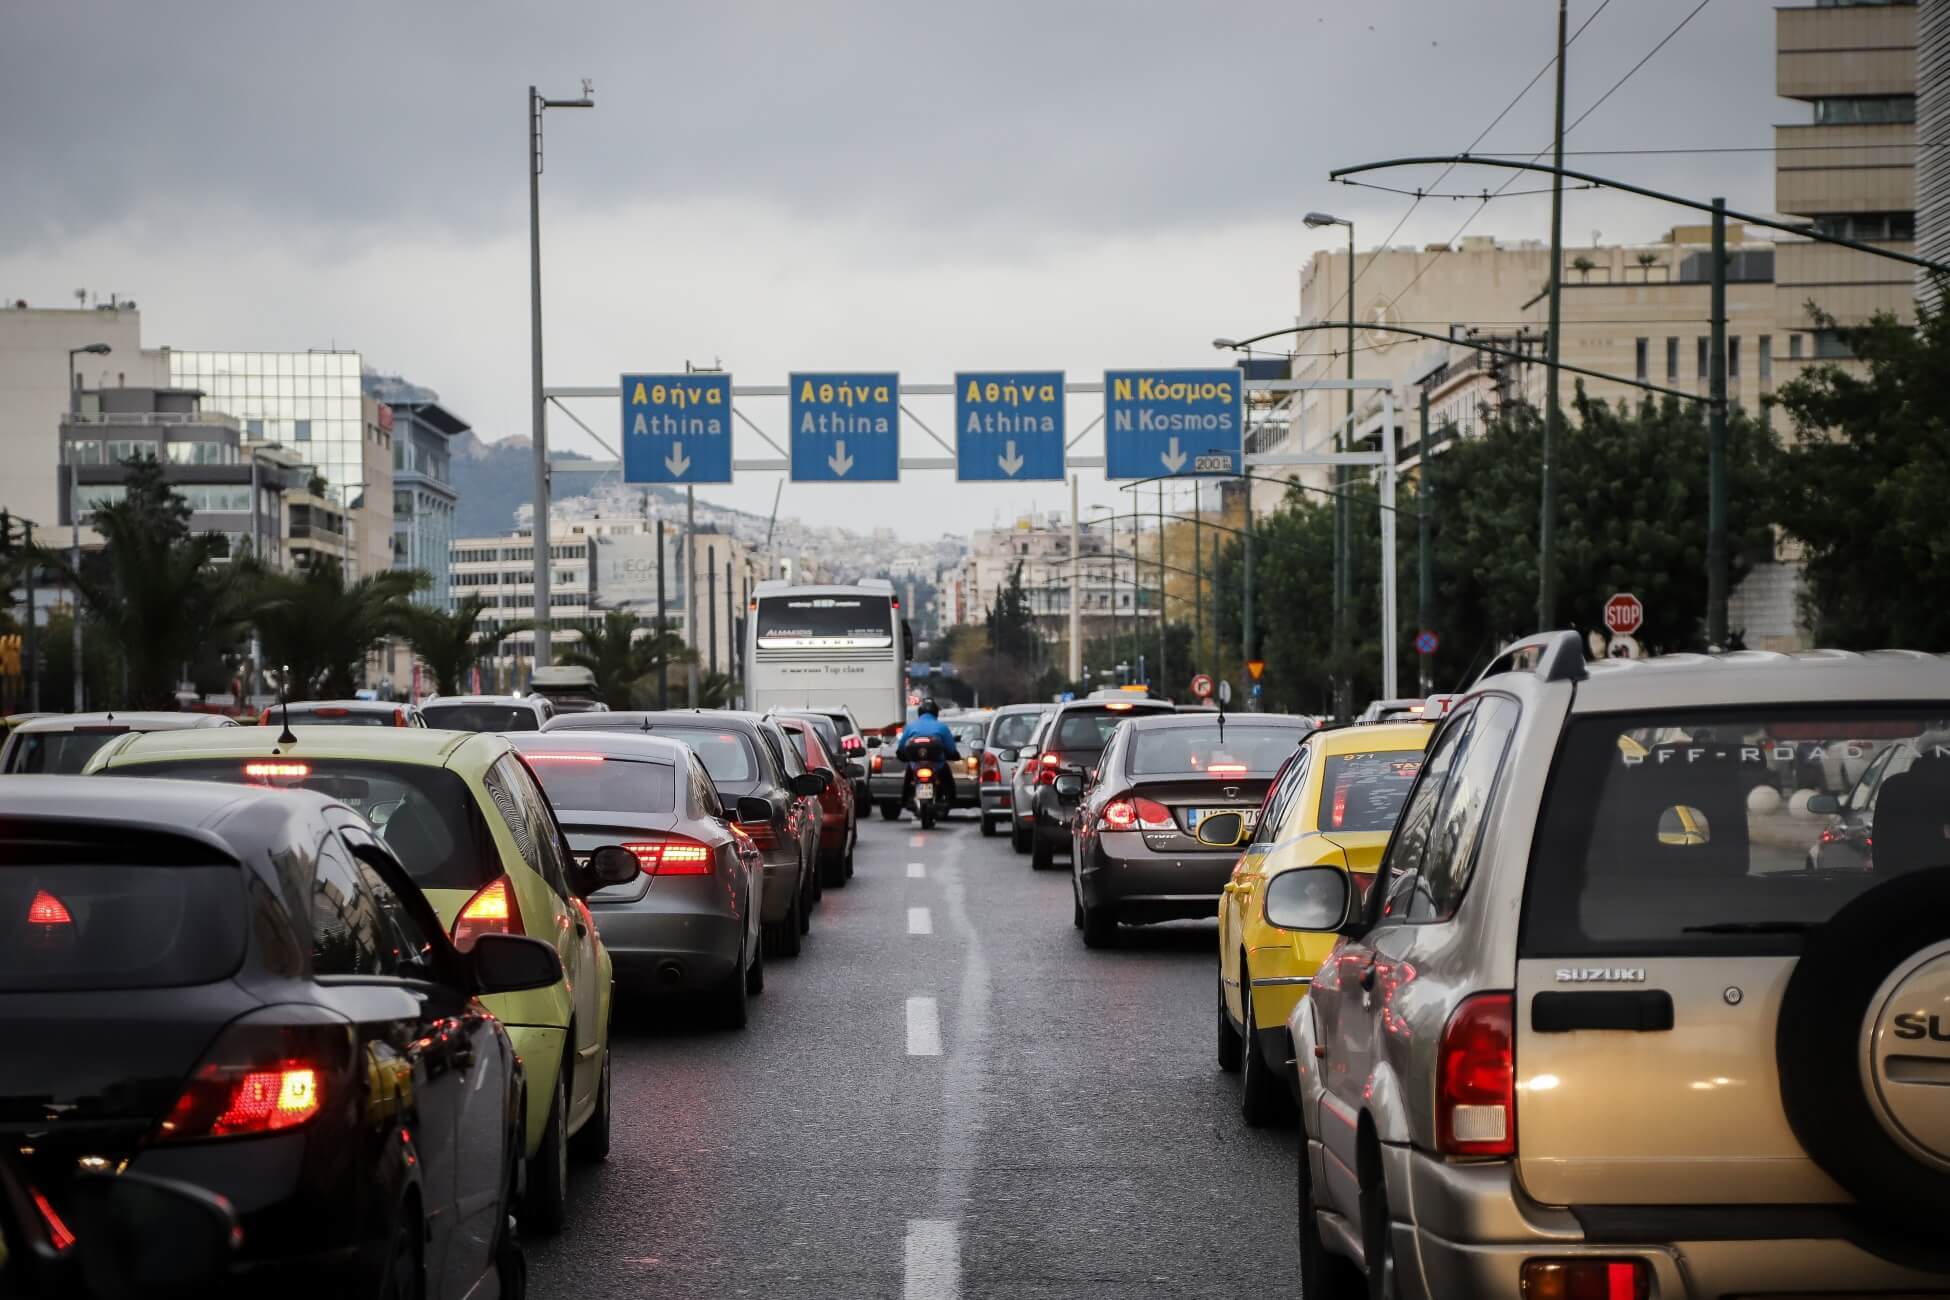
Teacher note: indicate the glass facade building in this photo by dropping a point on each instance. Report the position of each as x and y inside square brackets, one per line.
[308, 401]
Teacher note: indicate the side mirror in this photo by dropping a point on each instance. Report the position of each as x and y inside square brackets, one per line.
[751, 808]
[1006, 755]
[143, 1236]
[1308, 898]
[612, 864]
[873, 742]
[1069, 784]
[511, 963]
[807, 784]
[1221, 830]
[1824, 804]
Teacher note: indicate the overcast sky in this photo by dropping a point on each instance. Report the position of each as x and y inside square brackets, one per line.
[801, 185]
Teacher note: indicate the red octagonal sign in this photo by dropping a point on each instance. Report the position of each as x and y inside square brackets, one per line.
[1624, 613]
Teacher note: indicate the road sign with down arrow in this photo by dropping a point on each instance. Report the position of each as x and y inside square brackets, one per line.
[1172, 423]
[846, 428]
[677, 428]
[1009, 425]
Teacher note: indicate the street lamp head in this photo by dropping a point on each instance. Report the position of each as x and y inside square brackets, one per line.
[98, 349]
[1225, 345]
[1319, 219]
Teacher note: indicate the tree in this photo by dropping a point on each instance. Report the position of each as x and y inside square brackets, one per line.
[450, 642]
[716, 690]
[1863, 489]
[620, 658]
[1012, 629]
[154, 590]
[322, 629]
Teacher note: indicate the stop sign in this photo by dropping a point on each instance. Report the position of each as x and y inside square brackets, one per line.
[1623, 614]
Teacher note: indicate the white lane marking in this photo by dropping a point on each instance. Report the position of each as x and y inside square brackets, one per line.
[933, 1264]
[923, 1027]
[919, 921]
[917, 870]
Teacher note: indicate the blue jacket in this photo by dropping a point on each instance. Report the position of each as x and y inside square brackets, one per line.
[932, 728]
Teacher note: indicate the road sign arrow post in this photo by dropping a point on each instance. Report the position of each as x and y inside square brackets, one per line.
[839, 462]
[1010, 462]
[1173, 457]
[677, 462]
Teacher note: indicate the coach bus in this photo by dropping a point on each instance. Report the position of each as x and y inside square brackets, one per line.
[821, 647]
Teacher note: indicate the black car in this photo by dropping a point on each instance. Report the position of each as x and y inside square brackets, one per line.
[1135, 858]
[747, 757]
[843, 743]
[1074, 737]
[242, 990]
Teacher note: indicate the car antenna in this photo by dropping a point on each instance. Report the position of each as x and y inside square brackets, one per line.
[285, 737]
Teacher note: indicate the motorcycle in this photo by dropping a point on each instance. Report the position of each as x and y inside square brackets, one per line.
[929, 788]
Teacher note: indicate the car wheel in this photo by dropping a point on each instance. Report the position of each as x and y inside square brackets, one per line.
[1041, 856]
[809, 900]
[926, 815]
[988, 827]
[1263, 1099]
[1323, 1274]
[545, 1207]
[511, 1264]
[832, 871]
[405, 1275]
[590, 1143]
[1230, 1043]
[789, 931]
[1076, 907]
[1377, 1241]
[1018, 837]
[1099, 928]
[890, 812]
[729, 1008]
[852, 843]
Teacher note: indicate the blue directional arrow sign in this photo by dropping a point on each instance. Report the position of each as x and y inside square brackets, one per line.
[1009, 425]
[846, 428]
[677, 428]
[1173, 423]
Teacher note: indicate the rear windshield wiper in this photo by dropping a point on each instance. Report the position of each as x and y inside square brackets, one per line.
[1750, 927]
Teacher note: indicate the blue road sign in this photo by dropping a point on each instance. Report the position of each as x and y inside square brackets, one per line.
[677, 428]
[1426, 643]
[1176, 423]
[846, 428]
[1009, 425]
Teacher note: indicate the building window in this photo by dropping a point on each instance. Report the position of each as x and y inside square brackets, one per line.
[254, 427]
[1733, 359]
[1703, 358]
[1830, 345]
[1794, 347]
[1766, 354]
[1672, 360]
[1865, 110]
[301, 431]
[1867, 227]
[1641, 357]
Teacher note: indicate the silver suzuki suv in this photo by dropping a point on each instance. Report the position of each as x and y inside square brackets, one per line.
[1651, 994]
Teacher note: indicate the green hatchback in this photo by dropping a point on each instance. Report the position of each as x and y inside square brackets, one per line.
[466, 817]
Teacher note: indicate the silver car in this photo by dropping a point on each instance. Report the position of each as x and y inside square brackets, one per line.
[1010, 728]
[488, 712]
[1599, 1029]
[1022, 787]
[62, 743]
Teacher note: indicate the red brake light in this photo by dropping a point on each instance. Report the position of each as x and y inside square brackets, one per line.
[1118, 815]
[1586, 1277]
[924, 774]
[851, 744]
[673, 857]
[46, 909]
[264, 718]
[1476, 1093]
[1226, 769]
[259, 1078]
[59, 1235]
[991, 767]
[1046, 768]
[332, 713]
[564, 758]
[492, 910]
[1124, 814]
[276, 771]
[875, 765]
[399, 717]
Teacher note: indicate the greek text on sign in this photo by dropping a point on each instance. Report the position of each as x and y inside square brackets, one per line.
[1009, 425]
[677, 428]
[1172, 423]
[846, 428]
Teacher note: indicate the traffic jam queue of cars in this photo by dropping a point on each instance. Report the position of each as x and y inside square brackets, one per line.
[352, 960]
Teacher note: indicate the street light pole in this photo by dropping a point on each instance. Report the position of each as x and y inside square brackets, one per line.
[536, 106]
[1424, 576]
[1716, 444]
[1343, 521]
[1547, 508]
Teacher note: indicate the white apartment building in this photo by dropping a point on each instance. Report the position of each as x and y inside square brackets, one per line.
[1110, 585]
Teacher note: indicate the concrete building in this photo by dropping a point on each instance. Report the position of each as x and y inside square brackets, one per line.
[1850, 169]
[1932, 126]
[422, 490]
[1111, 588]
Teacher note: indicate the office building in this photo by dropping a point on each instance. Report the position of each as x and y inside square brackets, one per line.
[1111, 586]
[423, 495]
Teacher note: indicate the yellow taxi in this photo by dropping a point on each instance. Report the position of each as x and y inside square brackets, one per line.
[1333, 804]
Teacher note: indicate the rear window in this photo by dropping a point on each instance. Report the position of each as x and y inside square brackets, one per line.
[788, 622]
[1091, 728]
[1730, 832]
[1013, 730]
[63, 753]
[1365, 792]
[1235, 751]
[480, 717]
[726, 755]
[69, 923]
[829, 735]
[339, 718]
[968, 733]
[426, 815]
[601, 783]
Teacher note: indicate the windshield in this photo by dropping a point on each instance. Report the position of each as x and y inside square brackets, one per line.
[1013, 730]
[426, 815]
[69, 923]
[601, 782]
[1730, 831]
[786, 622]
[1234, 751]
[481, 717]
[1365, 792]
[1091, 728]
[58, 752]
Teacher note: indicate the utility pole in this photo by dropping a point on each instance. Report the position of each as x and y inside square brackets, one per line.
[1425, 576]
[1716, 444]
[1076, 592]
[711, 601]
[663, 678]
[1198, 584]
[544, 615]
[1164, 597]
[1246, 620]
[1547, 510]
[28, 657]
[688, 564]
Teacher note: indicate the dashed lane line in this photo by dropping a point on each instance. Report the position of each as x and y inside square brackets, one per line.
[932, 1269]
[923, 1027]
[919, 921]
[917, 870]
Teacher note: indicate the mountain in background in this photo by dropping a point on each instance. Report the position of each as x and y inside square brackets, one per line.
[494, 478]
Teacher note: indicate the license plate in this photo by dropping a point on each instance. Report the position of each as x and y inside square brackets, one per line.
[923, 793]
[1193, 816]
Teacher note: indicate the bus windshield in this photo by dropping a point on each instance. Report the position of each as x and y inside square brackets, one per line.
[839, 619]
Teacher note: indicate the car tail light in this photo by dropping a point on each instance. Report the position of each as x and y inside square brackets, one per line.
[1339, 815]
[276, 771]
[924, 774]
[399, 717]
[1046, 768]
[851, 744]
[563, 758]
[331, 713]
[1226, 769]
[991, 767]
[875, 765]
[1125, 814]
[673, 857]
[264, 718]
[259, 1078]
[492, 910]
[1581, 1278]
[763, 835]
[1476, 1093]
[46, 909]
[59, 1235]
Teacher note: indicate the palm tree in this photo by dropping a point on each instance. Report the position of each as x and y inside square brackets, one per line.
[620, 658]
[450, 643]
[323, 629]
[154, 589]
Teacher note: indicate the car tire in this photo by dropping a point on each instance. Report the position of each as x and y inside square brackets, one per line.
[890, 812]
[1076, 907]
[590, 1143]
[1323, 1274]
[729, 1006]
[1099, 928]
[1231, 1045]
[832, 871]
[926, 814]
[1377, 1235]
[1263, 1099]
[1019, 839]
[988, 827]
[791, 929]
[852, 843]
[546, 1200]
[405, 1275]
[1041, 856]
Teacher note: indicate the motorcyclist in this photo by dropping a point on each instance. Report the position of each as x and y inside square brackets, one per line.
[927, 725]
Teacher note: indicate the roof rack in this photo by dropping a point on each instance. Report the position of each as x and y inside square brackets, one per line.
[1552, 656]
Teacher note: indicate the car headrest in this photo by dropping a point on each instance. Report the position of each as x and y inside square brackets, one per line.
[1912, 818]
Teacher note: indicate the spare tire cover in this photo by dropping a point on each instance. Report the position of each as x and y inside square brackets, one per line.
[1863, 1049]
